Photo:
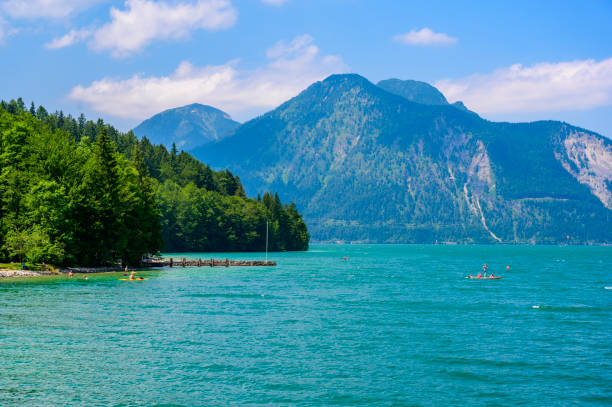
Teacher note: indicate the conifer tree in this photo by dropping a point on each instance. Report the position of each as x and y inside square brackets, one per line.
[79, 192]
[142, 219]
[99, 206]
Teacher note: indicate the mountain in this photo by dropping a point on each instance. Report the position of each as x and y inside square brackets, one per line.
[415, 91]
[419, 92]
[188, 127]
[364, 164]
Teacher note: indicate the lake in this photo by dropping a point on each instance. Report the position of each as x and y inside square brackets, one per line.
[391, 325]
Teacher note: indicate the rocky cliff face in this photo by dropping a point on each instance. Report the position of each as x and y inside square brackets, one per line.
[367, 165]
[589, 159]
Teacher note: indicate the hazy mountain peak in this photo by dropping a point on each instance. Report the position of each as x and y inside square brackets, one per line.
[415, 91]
[189, 126]
[351, 78]
[338, 83]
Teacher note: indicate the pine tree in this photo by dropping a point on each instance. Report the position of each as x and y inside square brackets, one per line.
[239, 188]
[99, 215]
[42, 113]
[82, 122]
[21, 105]
[143, 217]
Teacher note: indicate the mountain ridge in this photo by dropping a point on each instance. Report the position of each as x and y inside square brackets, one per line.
[364, 164]
[187, 127]
[415, 91]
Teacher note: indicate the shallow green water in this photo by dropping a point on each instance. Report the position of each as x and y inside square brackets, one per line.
[392, 325]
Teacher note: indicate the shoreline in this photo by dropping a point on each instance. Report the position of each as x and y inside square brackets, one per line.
[20, 273]
[8, 273]
[12, 275]
[149, 266]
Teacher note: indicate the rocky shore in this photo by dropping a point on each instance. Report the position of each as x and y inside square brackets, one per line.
[147, 265]
[22, 273]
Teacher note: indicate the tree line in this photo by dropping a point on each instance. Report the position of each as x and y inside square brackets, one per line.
[78, 192]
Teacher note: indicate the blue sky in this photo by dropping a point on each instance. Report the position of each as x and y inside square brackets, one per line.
[126, 60]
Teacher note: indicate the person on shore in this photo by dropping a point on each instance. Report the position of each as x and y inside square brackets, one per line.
[70, 274]
[126, 268]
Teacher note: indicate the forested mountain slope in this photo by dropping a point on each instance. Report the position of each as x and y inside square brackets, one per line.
[368, 165]
[77, 192]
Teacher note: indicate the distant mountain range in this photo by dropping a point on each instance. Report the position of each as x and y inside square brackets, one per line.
[188, 127]
[394, 162]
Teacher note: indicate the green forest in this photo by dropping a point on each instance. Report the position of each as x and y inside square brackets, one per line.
[78, 192]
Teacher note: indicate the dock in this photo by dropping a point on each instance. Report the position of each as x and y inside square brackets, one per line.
[185, 262]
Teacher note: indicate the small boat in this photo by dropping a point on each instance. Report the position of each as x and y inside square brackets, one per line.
[133, 279]
[484, 278]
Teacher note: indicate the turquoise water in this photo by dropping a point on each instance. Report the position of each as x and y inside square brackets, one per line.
[392, 325]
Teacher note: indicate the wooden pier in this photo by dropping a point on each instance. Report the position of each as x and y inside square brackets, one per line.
[185, 262]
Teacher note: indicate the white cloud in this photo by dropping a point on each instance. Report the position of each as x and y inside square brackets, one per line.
[292, 67]
[6, 30]
[53, 9]
[72, 37]
[274, 2]
[144, 21]
[300, 47]
[424, 36]
[544, 87]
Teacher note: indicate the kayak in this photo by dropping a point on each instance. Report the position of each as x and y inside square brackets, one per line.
[484, 278]
[134, 279]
